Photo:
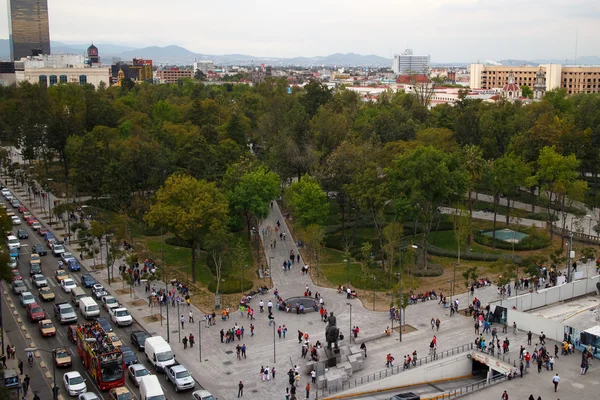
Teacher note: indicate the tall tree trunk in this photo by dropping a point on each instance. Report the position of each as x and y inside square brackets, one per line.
[356, 218]
[342, 211]
[468, 247]
[550, 218]
[496, 199]
[532, 190]
[507, 211]
[195, 245]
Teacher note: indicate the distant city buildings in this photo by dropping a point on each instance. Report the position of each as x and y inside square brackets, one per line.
[28, 28]
[204, 66]
[574, 79]
[138, 70]
[172, 75]
[408, 63]
[93, 59]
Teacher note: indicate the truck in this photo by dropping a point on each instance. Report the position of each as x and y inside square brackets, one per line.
[150, 388]
[159, 353]
[65, 313]
[103, 360]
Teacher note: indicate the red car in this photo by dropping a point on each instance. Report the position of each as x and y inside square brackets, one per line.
[35, 312]
[16, 275]
[31, 220]
[42, 231]
[22, 208]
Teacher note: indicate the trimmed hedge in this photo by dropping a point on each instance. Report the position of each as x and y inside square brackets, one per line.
[541, 216]
[431, 271]
[230, 286]
[175, 241]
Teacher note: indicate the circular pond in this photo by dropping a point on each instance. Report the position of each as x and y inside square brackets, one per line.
[308, 303]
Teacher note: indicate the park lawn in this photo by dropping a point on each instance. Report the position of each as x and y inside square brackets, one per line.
[447, 241]
[337, 273]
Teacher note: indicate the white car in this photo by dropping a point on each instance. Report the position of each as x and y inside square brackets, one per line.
[88, 396]
[136, 372]
[74, 383]
[181, 377]
[98, 291]
[16, 220]
[39, 280]
[66, 256]
[203, 395]
[36, 225]
[120, 316]
[5, 192]
[27, 298]
[110, 302]
[58, 249]
[68, 285]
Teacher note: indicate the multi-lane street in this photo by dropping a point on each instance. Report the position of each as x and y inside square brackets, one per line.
[17, 337]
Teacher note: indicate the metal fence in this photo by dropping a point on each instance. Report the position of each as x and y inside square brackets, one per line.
[384, 373]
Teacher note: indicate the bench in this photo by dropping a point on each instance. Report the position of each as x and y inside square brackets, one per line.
[365, 339]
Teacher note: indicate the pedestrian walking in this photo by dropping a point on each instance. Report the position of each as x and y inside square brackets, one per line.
[514, 328]
[191, 317]
[184, 341]
[222, 333]
[240, 389]
[308, 390]
[20, 367]
[26, 384]
[251, 330]
[192, 341]
[432, 324]
[504, 396]
[437, 324]
[182, 321]
[244, 350]
[272, 372]
[313, 376]
[555, 380]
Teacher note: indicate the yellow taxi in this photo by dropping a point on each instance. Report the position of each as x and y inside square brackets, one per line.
[47, 328]
[35, 259]
[61, 274]
[120, 393]
[63, 357]
[115, 339]
[46, 293]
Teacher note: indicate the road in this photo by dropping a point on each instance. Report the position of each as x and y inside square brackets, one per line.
[38, 383]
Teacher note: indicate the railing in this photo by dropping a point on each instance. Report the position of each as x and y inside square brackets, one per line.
[500, 356]
[384, 373]
[467, 389]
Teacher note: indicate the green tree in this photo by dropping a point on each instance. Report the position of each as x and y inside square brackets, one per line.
[474, 163]
[427, 177]
[392, 236]
[308, 201]
[556, 176]
[250, 189]
[315, 95]
[189, 209]
[6, 226]
[526, 91]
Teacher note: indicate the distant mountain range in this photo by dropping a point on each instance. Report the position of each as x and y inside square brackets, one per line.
[176, 55]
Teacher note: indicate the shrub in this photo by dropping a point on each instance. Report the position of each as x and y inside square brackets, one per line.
[541, 216]
[534, 241]
[230, 286]
[175, 241]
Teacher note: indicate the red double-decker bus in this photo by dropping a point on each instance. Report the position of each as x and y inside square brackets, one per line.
[103, 360]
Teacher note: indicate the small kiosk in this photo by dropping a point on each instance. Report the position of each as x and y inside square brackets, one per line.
[590, 337]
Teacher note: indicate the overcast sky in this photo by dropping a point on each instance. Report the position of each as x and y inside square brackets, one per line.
[448, 30]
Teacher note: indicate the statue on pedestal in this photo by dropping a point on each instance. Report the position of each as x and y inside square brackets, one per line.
[332, 332]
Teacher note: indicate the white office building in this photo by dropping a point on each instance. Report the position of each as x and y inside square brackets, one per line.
[408, 63]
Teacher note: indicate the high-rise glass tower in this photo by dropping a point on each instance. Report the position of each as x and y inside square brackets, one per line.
[29, 32]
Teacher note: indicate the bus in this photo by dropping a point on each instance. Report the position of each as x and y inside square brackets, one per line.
[103, 360]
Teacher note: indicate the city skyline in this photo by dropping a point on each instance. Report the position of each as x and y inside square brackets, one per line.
[448, 30]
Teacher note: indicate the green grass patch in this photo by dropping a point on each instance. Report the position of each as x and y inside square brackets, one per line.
[338, 274]
[447, 241]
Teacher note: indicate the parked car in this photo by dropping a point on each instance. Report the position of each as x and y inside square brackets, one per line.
[13, 252]
[74, 383]
[63, 357]
[46, 294]
[13, 242]
[22, 234]
[15, 203]
[12, 262]
[136, 372]
[36, 226]
[35, 312]
[406, 396]
[39, 249]
[88, 280]
[16, 275]
[15, 220]
[22, 208]
[30, 220]
[180, 377]
[138, 338]
[47, 328]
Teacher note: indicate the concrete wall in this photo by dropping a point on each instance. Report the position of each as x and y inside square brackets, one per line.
[544, 297]
[449, 368]
[529, 322]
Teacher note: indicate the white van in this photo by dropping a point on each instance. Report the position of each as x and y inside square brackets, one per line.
[76, 294]
[150, 388]
[159, 353]
[88, 307]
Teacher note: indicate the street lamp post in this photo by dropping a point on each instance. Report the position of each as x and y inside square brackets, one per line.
[271, 270]
[274, 354]
[199, 341]
[178, 323]
[347, 272]
[350, 337]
